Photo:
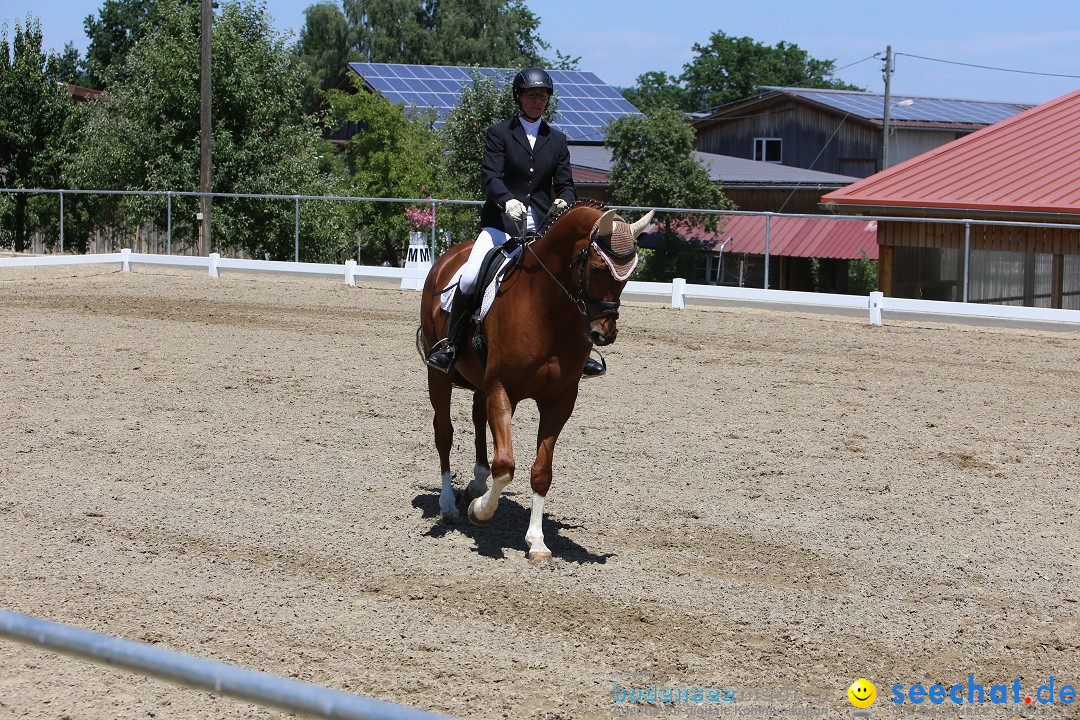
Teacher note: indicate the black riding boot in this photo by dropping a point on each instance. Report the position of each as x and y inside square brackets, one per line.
[593, 368]
[443, 353]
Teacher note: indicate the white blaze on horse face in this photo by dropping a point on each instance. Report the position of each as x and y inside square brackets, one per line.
[447, 503]
[538, 551]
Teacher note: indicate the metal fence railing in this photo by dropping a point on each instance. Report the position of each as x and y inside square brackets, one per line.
[962, 282]
[202, 674]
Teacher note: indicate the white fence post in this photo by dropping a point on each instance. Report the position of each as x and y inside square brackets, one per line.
[214, 257]
[875, 308]
[678, 291]
[350, 273]
[126, 259]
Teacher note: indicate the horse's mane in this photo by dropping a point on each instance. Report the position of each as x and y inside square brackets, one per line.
[583, 202]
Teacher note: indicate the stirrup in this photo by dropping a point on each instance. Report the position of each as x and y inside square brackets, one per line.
[444, 346]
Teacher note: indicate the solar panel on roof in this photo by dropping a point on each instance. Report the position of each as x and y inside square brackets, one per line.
[586, 103]
[934, 110]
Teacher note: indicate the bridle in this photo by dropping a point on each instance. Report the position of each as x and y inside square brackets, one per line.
[583, 301]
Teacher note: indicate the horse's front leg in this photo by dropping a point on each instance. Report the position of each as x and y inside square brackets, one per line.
[500, 411]
[481, 469]
[553, 416]
[439, 390]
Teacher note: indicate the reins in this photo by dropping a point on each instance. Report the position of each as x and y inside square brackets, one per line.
[608, 308]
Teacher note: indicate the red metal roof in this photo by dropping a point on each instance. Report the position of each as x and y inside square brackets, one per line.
[822, 237]
[589, 175]
[1027, 163]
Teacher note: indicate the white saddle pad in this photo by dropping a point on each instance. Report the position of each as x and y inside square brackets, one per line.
[447, 299]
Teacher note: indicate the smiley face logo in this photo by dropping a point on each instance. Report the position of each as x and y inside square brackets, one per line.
[862, 693]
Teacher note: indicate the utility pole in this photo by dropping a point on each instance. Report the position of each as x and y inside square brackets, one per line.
[887, 72]
[204, 128]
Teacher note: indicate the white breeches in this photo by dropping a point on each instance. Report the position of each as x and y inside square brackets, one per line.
[488, 238]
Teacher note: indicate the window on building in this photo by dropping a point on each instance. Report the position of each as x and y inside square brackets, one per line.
[767, 150]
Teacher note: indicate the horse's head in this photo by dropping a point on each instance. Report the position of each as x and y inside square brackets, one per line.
[607, 262]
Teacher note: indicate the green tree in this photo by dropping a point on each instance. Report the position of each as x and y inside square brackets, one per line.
[653, 165]
[323, 48]
[481, 104]
[396, 154]
[487, 33]
[118, 25]
[730, 68]
[33, 113]
[656, 89]
[144, 134]
[68, 67]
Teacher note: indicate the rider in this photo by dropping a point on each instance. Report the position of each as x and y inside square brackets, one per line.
[524, 160]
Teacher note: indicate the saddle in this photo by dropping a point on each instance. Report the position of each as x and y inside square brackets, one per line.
[497, 264]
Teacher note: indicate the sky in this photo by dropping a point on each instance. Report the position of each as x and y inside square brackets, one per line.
[621, 40]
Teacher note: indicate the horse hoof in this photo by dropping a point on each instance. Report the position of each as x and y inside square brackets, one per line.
[540, 557]
[472, 515]
[449, 518]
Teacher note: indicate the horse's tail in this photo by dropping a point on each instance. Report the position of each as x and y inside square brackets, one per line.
[420, 344]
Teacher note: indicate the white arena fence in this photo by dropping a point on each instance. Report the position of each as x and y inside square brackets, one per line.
[202, 674]
[412, 277]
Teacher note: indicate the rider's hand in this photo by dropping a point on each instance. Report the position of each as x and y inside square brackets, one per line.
[560, 204]
[515, 209]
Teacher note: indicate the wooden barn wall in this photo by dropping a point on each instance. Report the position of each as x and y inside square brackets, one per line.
[1008, 265]
[1002, 238]
[855, 150]
[776, 200]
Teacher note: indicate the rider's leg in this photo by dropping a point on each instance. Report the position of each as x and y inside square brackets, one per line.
[444, 352]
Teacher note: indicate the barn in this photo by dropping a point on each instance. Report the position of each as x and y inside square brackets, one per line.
[841, 131]
[1024, 171]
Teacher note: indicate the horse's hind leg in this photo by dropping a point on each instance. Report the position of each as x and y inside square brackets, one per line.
[481, 469]
[439, 389]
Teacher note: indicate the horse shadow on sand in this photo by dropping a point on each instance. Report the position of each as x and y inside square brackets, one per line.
[506, 531]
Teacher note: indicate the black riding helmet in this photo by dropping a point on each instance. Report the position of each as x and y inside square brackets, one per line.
[530, 78]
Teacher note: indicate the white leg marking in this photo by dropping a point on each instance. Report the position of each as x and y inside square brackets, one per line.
[478, 485]
[538, 551]
[484, 506]
[447, 504]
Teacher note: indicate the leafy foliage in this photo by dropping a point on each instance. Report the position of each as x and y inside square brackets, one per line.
[397, 153]
[144, 133]
[862, 275]
[118, 25]
[653, 163]
[730, 68]
[34, 111]
[653, 166]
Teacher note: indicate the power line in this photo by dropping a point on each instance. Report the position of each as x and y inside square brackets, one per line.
[987, 67]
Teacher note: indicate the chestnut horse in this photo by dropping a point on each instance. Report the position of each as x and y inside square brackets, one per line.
[560, 300]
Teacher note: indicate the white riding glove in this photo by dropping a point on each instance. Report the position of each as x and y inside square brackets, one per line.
[560, 204]
[515, 209]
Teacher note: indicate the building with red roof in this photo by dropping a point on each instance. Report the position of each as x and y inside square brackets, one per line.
[1023, 169]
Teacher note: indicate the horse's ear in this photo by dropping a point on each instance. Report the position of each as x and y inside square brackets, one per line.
[639, 227]
[605, 224]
